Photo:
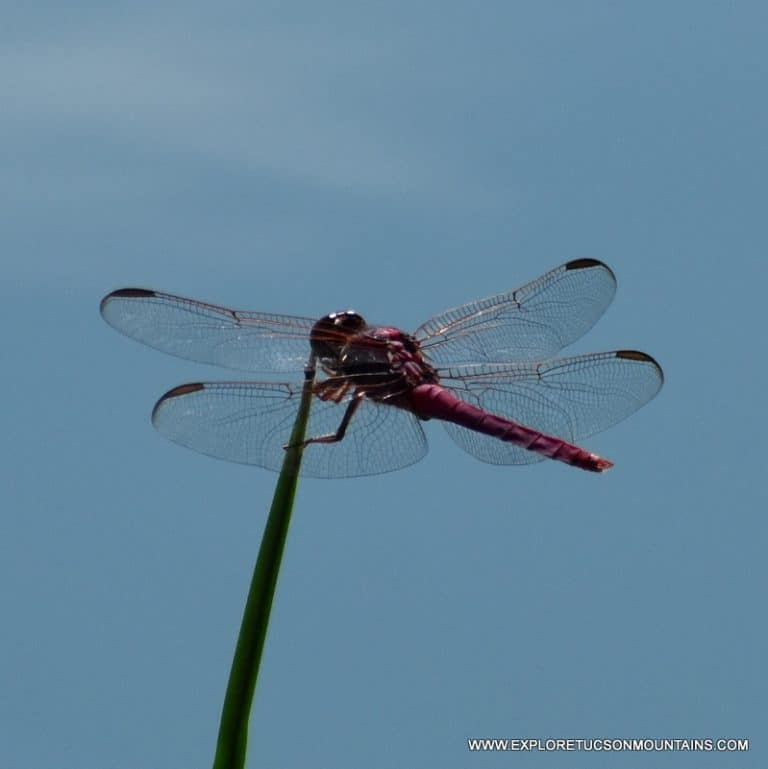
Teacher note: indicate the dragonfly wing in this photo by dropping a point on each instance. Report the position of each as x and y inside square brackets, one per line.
[532, 323]
[250, 422]
[568, 398]
[207, 333]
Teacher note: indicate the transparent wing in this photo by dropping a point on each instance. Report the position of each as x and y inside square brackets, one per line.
[250, 422]
[568, 398]
[250, 341]
[532, 323]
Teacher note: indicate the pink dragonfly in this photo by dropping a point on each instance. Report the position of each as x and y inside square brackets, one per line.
[486, 370]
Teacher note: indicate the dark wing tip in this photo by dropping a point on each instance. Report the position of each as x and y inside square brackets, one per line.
[642, 357]
[184, 389]
[176, 392]
[127, 293]
[132, 292]
[586, 263]
[583, 264]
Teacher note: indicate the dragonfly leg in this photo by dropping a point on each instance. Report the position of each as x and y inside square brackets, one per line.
[331, 390]
[342, 428]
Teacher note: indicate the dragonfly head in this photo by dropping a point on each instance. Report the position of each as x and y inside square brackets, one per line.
[332, 332]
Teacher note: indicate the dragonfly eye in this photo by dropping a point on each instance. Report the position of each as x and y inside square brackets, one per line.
[332, 331]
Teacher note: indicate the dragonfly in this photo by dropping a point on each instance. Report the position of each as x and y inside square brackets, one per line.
[486, 370]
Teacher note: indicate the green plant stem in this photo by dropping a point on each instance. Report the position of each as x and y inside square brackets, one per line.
[233, 731]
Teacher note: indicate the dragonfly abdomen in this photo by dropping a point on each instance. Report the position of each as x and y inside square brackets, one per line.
[435, 401]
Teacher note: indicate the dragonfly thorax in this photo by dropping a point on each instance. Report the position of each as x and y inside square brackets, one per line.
[380, 360]
[384, 360]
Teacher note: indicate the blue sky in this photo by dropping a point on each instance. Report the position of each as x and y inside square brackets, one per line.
[398, 159]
